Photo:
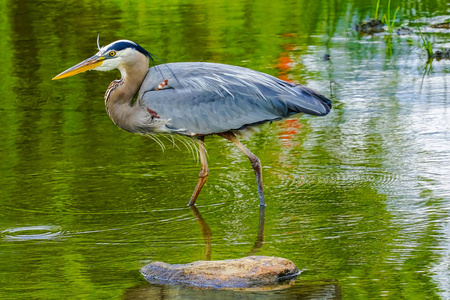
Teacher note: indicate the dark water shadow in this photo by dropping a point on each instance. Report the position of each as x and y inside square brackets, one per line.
[314, 290]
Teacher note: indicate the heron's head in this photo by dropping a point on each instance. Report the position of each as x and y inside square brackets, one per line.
[113, 56]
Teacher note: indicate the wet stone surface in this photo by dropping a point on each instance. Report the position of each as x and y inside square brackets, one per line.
[260, 272]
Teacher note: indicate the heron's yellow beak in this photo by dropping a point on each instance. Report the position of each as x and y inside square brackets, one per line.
[86, 65]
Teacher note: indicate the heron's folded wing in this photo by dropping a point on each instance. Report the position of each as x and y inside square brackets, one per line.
[205, 98]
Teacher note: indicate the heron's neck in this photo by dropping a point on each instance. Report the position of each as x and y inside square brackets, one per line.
[120, 94]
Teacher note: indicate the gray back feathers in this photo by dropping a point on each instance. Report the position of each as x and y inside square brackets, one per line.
[206, 98]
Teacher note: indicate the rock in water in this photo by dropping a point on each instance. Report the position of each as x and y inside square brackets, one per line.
[370, 26]
[445, 25]
[444, 54]
[247, 272]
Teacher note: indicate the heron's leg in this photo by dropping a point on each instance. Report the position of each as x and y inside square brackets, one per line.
[204, 171]
[256, 164]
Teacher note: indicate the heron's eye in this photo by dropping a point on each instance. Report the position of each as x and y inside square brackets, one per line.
[112, 53]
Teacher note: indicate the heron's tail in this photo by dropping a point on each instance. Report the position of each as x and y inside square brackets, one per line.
[309, 102]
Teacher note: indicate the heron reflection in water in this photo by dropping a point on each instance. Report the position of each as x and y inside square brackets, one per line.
[196, 99]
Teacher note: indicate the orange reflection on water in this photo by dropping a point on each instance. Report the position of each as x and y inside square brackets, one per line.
[285, 63]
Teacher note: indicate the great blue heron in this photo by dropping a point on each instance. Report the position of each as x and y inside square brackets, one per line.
[195, 99]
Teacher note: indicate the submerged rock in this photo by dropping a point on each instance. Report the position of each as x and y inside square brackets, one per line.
[441, 54]
[248, 272]
[445, 25]
[370, 26]
[404, 31]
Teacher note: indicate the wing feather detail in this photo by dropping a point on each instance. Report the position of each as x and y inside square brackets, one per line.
[206, 98]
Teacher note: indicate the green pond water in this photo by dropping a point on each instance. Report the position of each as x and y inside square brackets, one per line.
[359, 199]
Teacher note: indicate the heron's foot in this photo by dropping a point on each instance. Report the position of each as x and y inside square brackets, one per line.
[163, 84]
